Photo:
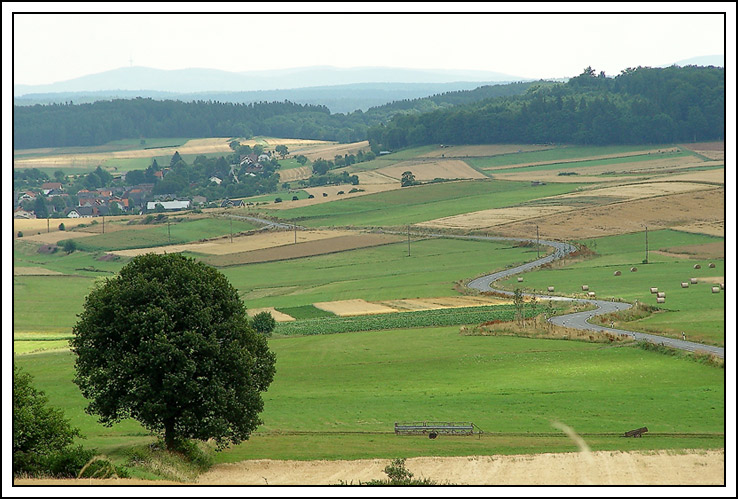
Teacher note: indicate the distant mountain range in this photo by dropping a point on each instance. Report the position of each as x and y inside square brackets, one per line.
[341, 90]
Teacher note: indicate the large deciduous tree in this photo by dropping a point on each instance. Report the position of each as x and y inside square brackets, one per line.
[168, 342]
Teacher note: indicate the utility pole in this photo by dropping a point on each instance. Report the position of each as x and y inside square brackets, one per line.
[408, 240]
[295, 227]
[103, 224]
[646, 261]
[231, 229]
[47, 224]
[538, 245]
[169, 231]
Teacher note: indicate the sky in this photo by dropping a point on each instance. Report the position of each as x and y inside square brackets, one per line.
[52, 47]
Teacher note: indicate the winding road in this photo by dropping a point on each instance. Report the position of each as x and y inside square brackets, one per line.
[578, 320]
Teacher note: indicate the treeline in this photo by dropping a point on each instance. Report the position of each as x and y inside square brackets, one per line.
[90, 124]
[639, 106]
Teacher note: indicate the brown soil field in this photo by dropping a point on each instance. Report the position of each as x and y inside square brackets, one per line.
[251, 242]
[472, 151]
[345, 308]
[327, 150]
[599, 468]
[712, 150]
[278, 316]
[304, 249]
[585, 158]
[430, 169]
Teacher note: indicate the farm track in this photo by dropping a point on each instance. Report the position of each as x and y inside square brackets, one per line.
[577, 320]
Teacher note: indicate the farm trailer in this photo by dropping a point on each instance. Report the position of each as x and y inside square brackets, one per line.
[435, 428]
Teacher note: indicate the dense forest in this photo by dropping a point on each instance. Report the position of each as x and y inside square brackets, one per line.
[643, 105]
[638, 106]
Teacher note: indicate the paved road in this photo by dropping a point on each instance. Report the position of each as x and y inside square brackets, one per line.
[580, 320]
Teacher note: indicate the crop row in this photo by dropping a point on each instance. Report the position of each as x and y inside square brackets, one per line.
[398, 320]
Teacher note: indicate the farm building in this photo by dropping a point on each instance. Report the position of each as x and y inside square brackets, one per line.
[168, 205]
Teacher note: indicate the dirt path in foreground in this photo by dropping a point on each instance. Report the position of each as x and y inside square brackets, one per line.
[699, 467]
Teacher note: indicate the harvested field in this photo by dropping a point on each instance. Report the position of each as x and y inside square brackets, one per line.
[637, 190]
[614, 172]
[278, 316]
[584, 468]
[34, 271]
[712, 150]
[39, 224]
[304, 249]
[711, 228]
[713, 176]
[695, 209]
[224, 246]
[494, 217]
[345, 308]
[442, 303]
[294, 174]
[478, 151]
[432, 169]
[327, 150]
[697, 251]
[56, 236]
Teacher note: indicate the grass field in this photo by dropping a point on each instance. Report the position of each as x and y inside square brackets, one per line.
[695, 310]
[421, 203]
[338, 396]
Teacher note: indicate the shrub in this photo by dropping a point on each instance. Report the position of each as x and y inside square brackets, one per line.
[294, 198]
[20, 234]
[263, 323]
[62, 227]
[278, 200]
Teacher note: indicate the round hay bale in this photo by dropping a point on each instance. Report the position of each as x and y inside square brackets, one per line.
[660, 300]
[693, 280]
[685, 284]
[520, 279]
[633, 269]
[654, 290]
[712, 265]
[585, 287]
[716, 289]
[591, 294]
[697, 266]
[660, 295]
[550, 288]
[616, 273]
[722, 286]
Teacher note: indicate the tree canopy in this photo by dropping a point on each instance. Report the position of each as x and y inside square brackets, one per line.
[168, 342]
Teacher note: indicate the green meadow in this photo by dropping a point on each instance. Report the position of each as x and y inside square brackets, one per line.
[421, 203]
[338, 397]
[695, 310]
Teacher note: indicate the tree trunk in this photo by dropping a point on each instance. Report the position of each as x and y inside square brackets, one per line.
[169, 436]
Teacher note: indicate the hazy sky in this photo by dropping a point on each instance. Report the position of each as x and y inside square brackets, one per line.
[54, 47]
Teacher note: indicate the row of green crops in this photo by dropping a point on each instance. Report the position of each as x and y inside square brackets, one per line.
[422, 318]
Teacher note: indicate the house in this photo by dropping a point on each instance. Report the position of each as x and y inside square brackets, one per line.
[169, 205]
[227, 203]
[81, 212]
[199, 200]
[46, 187]
[21, 213]
[27, 196]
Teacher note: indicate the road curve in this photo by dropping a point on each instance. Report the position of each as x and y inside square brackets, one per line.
[579, 320]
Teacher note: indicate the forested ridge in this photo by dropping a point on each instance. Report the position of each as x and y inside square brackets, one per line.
[643, 105]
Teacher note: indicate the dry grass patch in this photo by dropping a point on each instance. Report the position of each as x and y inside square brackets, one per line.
[711, 228]
[313, 150]
[345, 308]
[34, 271]
[278, 316]
[493, 217]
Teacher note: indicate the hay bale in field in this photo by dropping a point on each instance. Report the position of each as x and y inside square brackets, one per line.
[591, 294]
[654, 290]
[660, 300]
[712, 265]
[633, 269]
[685, 284]
[550, 288]
[616, 273]
[697, 266]
[661, 295]
[693, 280]
[722, 286]
[520, 279]
[716, 289]
[585, 287]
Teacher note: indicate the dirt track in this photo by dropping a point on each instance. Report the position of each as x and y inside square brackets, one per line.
[700, 467]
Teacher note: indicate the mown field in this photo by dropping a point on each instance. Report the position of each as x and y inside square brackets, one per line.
[338, 396]
[695, 310]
